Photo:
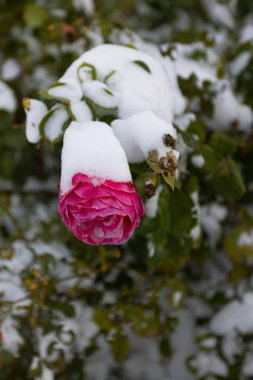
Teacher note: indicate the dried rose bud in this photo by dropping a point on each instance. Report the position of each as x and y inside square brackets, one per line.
[169, 165]
[169, 140]
[149, 189]
[69, 33]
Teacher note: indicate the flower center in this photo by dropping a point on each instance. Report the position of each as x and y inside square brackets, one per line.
[109, 220]
[98, 233]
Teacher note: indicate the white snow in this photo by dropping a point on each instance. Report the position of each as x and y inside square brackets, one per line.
[35, 111]
[179, 101]
[144, 361]
[20, 259]
[12, 340]
[209, 363]
[151, 207]
[247, 368]
[7, 98]
[198, 160]
[142, 133]
[150, 248]
[70, 91]
[185, 66]
[81, 111]
[41, 78]
[209, 342]
[237, 315]
[10, 69]
[92, 149]
[246, 239]
[235, 111]
[87, 6]
[11, 287]
[247, 32]
[205, 70]
[221, 14]
[183, 345]
[138, 89]
[231, 345]
[195, 232]
[211, 217]
[183, 123]
[240, 62]
[100, 94]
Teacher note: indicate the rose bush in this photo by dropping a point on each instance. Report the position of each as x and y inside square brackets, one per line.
[101, 211]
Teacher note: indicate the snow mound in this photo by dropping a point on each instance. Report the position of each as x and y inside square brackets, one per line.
[139, 80]
[142, 133]
[92, 149]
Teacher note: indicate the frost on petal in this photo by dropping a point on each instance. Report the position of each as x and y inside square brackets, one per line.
[35, 110]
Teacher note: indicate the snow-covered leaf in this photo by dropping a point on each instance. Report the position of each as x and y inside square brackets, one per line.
[53, 124]
[100, 94]
[35, 111]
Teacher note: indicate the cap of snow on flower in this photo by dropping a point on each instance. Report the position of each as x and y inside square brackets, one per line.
[98, 200]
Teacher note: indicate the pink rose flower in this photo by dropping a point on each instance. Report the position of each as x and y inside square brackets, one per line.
[101, 211]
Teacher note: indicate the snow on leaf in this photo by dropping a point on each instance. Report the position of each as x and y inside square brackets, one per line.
[53, 124]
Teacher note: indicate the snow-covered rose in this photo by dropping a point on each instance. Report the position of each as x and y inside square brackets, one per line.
[98, 200]
[101, 211]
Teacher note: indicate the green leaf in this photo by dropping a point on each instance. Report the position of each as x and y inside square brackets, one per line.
[120, 344]
[223, 143]
[196, 127]
[108, 76]
[143, 323]
[189, 86]
[170, 180]
[227, 180]
[210, 157]
[190, 139]
[166, 166]
[6, 120]
[237, 248]
[143, 65]
[89, 69]
[35, 15]
[239, 272]
[165, 348]
[59, 117]
[176, 212]
[102, 319]
[45, 93]
[171, 253]
[66, 308]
